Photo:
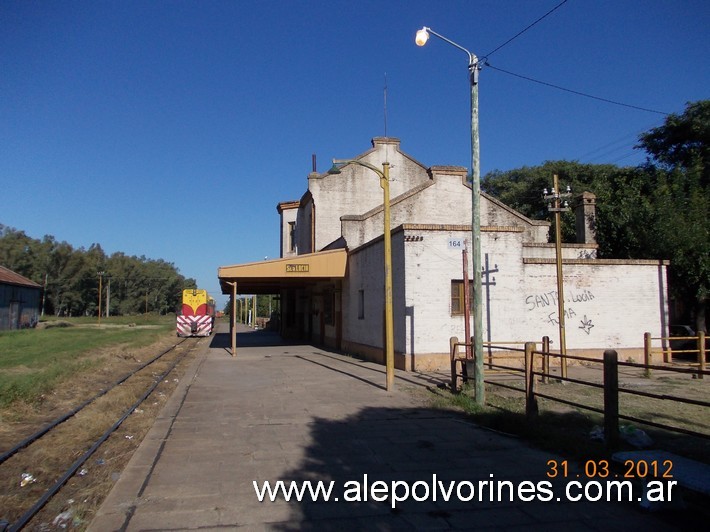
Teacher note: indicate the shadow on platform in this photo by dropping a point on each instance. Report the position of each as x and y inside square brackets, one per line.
[261, 338]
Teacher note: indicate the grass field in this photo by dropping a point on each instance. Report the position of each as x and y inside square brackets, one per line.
[33, 361]
[48, 371]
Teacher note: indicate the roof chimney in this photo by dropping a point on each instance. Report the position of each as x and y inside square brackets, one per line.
[586, 218]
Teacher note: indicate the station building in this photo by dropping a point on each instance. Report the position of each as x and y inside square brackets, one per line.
[330, 276]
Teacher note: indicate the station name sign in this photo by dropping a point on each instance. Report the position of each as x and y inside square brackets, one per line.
[297, 268]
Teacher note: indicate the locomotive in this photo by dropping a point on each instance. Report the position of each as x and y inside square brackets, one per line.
[196, 316]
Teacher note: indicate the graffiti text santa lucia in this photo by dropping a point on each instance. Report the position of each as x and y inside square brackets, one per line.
[549, 299]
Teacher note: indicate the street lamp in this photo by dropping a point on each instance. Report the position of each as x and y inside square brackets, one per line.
[473, 67]
[384, 175]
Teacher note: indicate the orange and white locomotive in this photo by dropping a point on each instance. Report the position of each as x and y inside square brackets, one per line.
[196, 317]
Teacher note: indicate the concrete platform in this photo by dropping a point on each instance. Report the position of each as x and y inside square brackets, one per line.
[295, 412]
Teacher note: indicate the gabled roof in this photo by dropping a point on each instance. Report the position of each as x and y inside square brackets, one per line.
[419, 188]
[512, 211]
[7, 276]
[376, 141]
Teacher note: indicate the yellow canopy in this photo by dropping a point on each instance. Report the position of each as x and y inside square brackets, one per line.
[267, 277]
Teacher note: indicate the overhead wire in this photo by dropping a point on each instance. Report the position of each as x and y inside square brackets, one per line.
[484, 61]
[621, 143]
[578, 93]
[627, 148]
[623, 138]
[622, 158]
[486, 56]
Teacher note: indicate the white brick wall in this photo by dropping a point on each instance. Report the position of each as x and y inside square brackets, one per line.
[288, 215]
[609, 304]
[357, 190]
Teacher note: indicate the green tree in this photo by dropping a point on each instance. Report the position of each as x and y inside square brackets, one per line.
[679, 161]
[658, 210]
[522, 189]
[266, 305]
[72, 279]
[15, 251]
[683, 142]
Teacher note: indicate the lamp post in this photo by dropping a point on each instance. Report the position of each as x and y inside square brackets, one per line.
[473, 67]
[556, 207]
[384, 175]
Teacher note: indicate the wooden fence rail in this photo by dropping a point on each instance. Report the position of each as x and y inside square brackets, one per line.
[610, 383]
[700, 349]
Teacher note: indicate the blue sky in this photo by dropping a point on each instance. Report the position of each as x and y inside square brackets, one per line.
[172, 129]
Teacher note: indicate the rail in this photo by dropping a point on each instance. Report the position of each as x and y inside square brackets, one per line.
[61, 419]
[52, 490]
[609, 386]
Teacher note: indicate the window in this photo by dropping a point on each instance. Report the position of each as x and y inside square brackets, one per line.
[361, 304]
[292, 236]
[457, 302]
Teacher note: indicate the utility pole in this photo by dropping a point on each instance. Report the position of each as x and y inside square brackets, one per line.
[557, 208]
[108, 297]
[101, 275]
[44, 292]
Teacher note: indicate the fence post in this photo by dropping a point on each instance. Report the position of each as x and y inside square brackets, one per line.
[701, 353]
[469, 367]
[454, 350]
[647, 354]
[667, 350]
[546, 359]
[611, 398]
[530, 402]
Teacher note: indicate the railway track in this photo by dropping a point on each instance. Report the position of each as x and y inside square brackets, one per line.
[57, 476]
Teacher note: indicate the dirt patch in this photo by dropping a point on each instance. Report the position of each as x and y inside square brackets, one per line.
[53, 324]
[666, 411]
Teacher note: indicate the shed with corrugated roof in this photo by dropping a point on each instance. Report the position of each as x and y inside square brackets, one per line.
[19, 300]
